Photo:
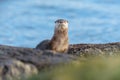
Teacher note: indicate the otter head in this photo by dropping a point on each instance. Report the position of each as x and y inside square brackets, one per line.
[61, 24]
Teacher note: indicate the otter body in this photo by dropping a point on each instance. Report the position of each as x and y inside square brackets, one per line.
[59, 41]
[43, 45]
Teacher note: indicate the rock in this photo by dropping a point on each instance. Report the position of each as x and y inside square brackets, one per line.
[14, 69]
[109, 49]
[17, 62]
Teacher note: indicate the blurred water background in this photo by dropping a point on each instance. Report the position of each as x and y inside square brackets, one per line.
[25, 23]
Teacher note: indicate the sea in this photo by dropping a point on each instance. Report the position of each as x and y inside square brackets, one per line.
[25, 23]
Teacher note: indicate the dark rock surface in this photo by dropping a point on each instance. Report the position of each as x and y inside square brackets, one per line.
[109, 49]
[16, 62]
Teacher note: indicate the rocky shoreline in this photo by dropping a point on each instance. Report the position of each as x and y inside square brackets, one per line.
[18, 62]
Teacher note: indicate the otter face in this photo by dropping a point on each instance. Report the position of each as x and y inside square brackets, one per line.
[61, 24]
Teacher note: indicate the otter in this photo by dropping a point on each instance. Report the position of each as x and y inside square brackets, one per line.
[59, 42]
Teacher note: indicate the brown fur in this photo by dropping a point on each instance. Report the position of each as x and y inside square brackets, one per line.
[59, 41]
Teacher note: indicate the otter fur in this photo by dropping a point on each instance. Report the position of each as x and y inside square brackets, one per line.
[59, 42]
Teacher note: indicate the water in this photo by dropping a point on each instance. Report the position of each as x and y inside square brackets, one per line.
[25, 23]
